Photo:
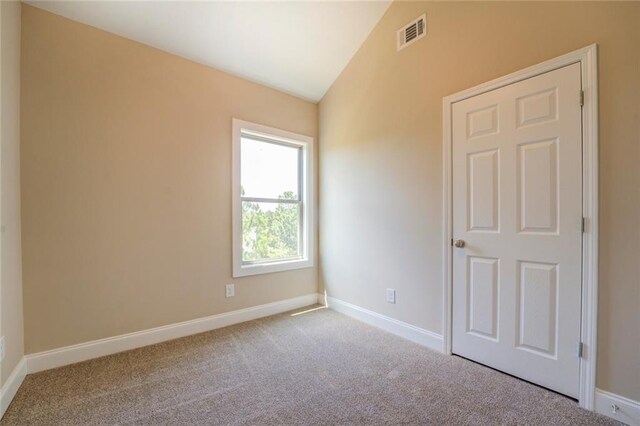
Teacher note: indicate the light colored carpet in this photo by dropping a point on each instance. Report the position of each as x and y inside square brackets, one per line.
[317, 367]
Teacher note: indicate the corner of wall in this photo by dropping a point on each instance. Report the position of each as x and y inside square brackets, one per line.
[12, 367]
[11, 385]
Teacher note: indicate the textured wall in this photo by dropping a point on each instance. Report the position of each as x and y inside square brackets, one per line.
[126, 193]
[381, 156]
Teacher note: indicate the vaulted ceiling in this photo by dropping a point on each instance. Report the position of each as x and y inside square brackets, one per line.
[298, 47]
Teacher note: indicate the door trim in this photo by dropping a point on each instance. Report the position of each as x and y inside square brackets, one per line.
[587, 57]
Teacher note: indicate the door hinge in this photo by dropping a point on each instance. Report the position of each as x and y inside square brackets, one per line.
[583, 224]
[582, 98]
[580, 349]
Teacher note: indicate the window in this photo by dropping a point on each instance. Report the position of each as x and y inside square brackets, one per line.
[272, 200]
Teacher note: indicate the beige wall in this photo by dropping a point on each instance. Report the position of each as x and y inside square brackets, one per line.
[11, 324]
[381, 156]
[126, 193]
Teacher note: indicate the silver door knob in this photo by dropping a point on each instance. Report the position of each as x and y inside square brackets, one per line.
[459, 243]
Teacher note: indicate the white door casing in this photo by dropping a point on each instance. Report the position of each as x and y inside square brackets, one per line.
[517, 203]
[588, 59]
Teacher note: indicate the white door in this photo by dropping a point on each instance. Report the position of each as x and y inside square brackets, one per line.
[517, 206]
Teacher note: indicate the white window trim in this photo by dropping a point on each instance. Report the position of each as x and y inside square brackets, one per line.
[308, 234]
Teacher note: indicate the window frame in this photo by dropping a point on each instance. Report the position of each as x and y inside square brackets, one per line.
[305, 199]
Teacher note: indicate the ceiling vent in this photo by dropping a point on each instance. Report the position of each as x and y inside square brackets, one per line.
[411, 32]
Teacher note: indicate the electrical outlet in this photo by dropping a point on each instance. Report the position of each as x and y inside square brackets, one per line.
[230, 290]
[391, 296]
[1, 348]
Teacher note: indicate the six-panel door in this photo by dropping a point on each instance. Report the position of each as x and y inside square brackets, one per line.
[517, 204]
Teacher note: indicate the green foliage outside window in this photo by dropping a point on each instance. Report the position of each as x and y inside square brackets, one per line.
[270, 233]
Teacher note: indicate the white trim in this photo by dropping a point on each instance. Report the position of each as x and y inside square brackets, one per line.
[322, 299]
[306, 143]
[11, 386]
[111, 345]
[410, 332]
[628, 410]
[590, 238]
[587, 57]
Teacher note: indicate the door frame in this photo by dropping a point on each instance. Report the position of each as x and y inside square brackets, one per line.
[587, 57]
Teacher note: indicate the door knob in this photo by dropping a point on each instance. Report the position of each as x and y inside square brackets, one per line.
[459, 243]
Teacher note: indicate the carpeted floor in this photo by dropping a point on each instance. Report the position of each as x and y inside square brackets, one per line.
[315, 367]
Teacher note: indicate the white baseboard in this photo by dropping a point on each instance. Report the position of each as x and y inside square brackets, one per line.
[322, 299]
[84, 351]
[416, 334]
[11, 386]
[628, 410]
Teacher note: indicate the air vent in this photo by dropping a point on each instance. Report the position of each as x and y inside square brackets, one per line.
[411, 32]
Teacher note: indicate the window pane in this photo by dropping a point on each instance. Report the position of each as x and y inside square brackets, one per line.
[270, 231]
[269, 170]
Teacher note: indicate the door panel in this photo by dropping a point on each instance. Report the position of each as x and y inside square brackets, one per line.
[537, 107]
[537, 176]
[483, 191]
[482, 122]
[483, 297]
[537, 304]
[517, 203]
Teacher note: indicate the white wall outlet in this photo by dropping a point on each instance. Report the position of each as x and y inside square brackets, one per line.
[1, 348]
[391, 295]
[230, 290]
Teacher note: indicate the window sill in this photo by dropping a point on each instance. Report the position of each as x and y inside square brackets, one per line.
[267, 268]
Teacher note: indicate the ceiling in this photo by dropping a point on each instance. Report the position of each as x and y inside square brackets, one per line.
[298, 47]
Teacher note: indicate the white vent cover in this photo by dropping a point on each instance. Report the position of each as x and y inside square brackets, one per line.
[411, 32]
